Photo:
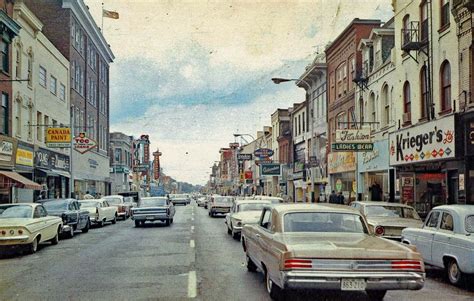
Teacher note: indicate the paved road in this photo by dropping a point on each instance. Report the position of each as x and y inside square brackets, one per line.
[194, 258]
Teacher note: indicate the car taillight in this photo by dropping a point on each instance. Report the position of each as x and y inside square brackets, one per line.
[411, 265]
[20, 232]
[298, 264]
[379, 230]
[4, 232]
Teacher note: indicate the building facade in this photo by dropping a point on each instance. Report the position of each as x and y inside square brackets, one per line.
[301, 148]
[120, 162]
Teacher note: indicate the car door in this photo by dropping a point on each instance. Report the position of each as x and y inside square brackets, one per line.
[171, 207]
[82, 217]
[269, 254]
[108, 211]
[48, 227]
[442, 243]
[261, 234]
[424, 237]
[73, 213]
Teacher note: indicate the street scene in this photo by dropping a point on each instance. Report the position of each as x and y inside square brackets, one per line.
[237, 150]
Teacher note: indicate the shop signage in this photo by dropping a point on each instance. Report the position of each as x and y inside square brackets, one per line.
[83, 144]
[140, 168]
[355, 147]
[339, 162]
[408, 190]
[8, 148]
[51, 160]
[271, 169]
[24, 157]
[353, 136]
[248, 175]
[93, 163]
[338, 185]
[426, 142]
[58, 137]
[263, 153]
[244, 157]
[299, 166]
[263, 161]
[374, 160]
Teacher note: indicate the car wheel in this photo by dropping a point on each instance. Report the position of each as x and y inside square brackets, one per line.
[71, 232]
[101, 223]
[114, 221]
[55, 239]
[229, 231]
[33, 247]
[251, 267]
[167, 222]
[138, 224]
[275, 292]
[455, 276]
[171, 221]
[376, 295]
[86, 229]
[235, 235]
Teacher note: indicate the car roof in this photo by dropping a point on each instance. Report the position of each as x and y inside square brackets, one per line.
[154, 197]
[112, 196]
[55, 200]
[461, 209]
[17, 204]
[239, 202]
[375, 203]
[321, 207]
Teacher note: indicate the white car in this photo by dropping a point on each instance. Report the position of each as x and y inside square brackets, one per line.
[123, 208]
[273, 199]
[243, 212]
[27, 225]
[100, 211]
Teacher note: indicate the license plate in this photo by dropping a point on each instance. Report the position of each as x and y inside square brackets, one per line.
[150, 217]
[353, 285]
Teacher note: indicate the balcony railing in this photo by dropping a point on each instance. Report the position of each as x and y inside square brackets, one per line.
[411, 37]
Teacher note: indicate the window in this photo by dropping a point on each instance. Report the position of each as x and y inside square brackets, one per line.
[30, 121]
[406, 29]
[266, 221]
[45, 127]
[304, 123]
[42, 76]
[39, 120]
[424, 92]
[432, 221]
[4, 115]
[447, 222]
[386, 103]
[4, 53]
[444, 21]
[341, 121]
[18, 61]
[373, 108]
[18, 117]
[62, 92]
[445, 86]
[424, 20]
[53, 85]
[407, 99]
[30, 69]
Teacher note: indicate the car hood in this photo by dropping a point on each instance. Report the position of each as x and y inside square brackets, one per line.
[248, 216]
[394, 222]
[344, 245]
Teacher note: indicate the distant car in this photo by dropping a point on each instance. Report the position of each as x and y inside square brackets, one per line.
[179, 200]
[446, 240]
[152, 209]
[243, 212]
[388, 219]
[74, 218]
[201, 201]
[100, 211]
[123, 208]
[220, 205]
[27, 225]
[327, 247]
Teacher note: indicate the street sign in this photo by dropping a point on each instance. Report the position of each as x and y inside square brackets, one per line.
[263, 153]
[83, 144]
[355, 147]
[270, 169]
[58, 137]
[244, 157]
[140, 168]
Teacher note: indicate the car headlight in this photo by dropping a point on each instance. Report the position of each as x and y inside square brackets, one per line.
[237, 222]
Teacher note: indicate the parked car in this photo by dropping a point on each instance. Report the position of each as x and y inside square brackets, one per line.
[316, 246]
[273, 199]
[446, 240]
[152, 209]
[243, 212]
[74, 218]
[220, 205]
[388, 219]
[100, 211]
[27, 225]
[123, 209]
[180, 199]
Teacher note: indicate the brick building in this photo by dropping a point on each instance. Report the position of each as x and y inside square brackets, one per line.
[71, 28]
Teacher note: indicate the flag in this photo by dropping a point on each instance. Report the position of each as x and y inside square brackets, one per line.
[110, 14]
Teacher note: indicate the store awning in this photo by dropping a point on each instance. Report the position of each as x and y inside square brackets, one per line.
[48, 172]
[16, 177]
[62, 173]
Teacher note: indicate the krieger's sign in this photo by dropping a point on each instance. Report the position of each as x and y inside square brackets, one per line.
[427, 142]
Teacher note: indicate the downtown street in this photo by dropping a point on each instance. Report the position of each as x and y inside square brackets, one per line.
[193, 258]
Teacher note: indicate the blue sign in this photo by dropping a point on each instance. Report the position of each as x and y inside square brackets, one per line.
[263, 153]
[376, 159]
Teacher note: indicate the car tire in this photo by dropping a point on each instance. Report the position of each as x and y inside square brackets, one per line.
[235, 235]
[167, 222]
[114, 221]
[275, 292]
[138, 224]
[171, 221]
[455, 276]
[33, 247]
[86, 229]
[101, 223]
[376, 295]
[55, 240]
[229, 231]
[251, 267]
[71, 232]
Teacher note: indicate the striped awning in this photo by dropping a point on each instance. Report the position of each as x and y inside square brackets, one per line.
[19, 179]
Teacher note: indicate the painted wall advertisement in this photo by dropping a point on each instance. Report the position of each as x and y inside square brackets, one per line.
[423, 143]
[341, 162]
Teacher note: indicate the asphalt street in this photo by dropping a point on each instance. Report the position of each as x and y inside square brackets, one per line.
[193, 258]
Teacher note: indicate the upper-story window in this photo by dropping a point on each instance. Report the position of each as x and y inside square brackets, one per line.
[42, 76]
[425, 92]
[424, 20]
[18, 60]
[386, 105]
[4, 113]
[62, 92]
[406, 29]
[53, 85]
[4, 56]
[445, 75]
[406, 103]
[303, 122]
[373, 108]
[341, 121]
[444, 20]
[30, 69]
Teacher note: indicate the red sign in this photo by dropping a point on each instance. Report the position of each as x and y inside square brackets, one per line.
[248, 175]
[83, 144]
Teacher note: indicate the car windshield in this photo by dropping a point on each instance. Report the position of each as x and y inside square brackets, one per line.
[89, 204]
[470, 223]
[16, 211]
[223, 200]
[114, 201]
[153, 202]
[391, 211]
[250, 207]
[323, 222]
[55, 205]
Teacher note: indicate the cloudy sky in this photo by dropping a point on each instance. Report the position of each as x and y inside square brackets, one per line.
[192, 73]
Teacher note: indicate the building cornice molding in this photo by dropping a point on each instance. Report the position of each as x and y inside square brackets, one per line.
[20, 10]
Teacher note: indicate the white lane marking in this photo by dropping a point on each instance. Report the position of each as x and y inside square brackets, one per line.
[192, 284]
[191, 243]
[192, 228]
[192, 218]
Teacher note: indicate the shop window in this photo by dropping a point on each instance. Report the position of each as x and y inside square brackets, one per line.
[424, 93]
[445, 76]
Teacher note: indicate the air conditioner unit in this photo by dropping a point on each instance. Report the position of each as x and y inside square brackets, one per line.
[407, 117]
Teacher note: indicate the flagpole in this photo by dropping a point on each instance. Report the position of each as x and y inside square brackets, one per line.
[102, 18]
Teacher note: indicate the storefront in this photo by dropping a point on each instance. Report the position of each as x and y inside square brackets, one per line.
[52, 172]
[374, 174]
[91, 174]
[24, 165]
[341, 169]
[428, 173]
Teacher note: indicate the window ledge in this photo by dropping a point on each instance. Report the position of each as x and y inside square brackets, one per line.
[405, 124]
[423, 119]
[444, 28]
[5, 73]
[445, 112]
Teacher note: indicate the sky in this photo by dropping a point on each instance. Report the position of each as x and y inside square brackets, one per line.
[192, 73]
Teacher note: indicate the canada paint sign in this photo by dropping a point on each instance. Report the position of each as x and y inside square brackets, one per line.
[58, 137]
[83, 144]
[263, 153]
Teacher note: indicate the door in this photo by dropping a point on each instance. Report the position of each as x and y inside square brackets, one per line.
[424, 239]
[110, 211]
[453, 187]
[73, 213]
[82, 215]
[264, 233]
[442, 243]
[49, 230]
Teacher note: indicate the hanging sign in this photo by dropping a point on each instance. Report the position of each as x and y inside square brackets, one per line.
[58, 137]
[83, 144]
[353, 136]
[263, 153]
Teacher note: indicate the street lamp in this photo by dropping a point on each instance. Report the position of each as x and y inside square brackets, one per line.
[279, 80]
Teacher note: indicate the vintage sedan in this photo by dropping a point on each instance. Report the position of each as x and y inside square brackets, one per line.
[123, 208]
[446, 240]
[388, 219]
[201, 201]
[100, 211]
[74, 218]
[152, 209]
[27, 225]
[180, 199]
[220, 205]
[243, 212]
[315, 246]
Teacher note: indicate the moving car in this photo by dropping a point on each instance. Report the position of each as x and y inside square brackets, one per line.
[446, 240]
[74, 218]
[243, 212]
[152, 209]
[316, 246]
[100, 211]
[388, 219]
[201, 201]
[123, 208]
[179, 199]
[220, 205]
[27, 225]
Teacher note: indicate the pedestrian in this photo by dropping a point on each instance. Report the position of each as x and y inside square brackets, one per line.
[333, 198]
[88, 196]
[376, 192]
[340, 199]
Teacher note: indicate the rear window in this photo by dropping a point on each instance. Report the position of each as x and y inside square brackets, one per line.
[153, 202]
[323, 222]
[223, 200]
[251, 207]
[114, 201]
[89, 204]
[55, 205]
[470, 224]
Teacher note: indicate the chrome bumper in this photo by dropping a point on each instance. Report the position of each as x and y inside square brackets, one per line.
[14, 240]
[150, 217]
[332, 280]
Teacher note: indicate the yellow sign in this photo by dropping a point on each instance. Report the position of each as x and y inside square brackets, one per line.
[339, 162]
[58, 137]
[24, 157]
